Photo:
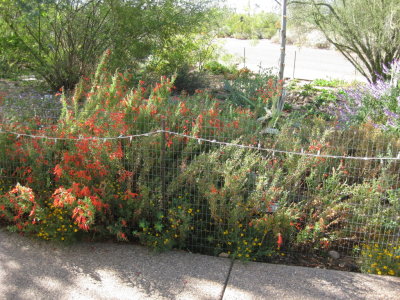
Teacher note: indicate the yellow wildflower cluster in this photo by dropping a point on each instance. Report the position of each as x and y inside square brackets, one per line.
[246, 242]
[57, 224]
[381, 260]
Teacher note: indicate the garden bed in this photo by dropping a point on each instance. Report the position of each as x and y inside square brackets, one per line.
[142, 164]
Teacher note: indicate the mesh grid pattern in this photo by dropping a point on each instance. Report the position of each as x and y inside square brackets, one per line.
[247, 195]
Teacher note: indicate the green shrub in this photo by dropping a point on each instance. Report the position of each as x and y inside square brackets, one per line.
[216, 68]
[187, 191]
[256, 91]
[62, 40]
[243, 26]
[381, 260]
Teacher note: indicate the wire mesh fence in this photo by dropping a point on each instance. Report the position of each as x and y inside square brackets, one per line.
[209, 184]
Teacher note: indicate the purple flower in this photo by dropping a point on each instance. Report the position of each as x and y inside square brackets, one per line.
[390, 114]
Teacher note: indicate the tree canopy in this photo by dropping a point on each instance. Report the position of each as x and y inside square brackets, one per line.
[61, 40]
[366, 32]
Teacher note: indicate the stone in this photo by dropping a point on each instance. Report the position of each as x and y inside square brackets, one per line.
[334, 254]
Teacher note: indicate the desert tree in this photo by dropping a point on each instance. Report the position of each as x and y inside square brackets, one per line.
[366, 32]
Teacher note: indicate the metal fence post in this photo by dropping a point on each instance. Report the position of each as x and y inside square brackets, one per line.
[162, 165]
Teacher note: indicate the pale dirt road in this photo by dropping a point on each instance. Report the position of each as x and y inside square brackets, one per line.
[310, 63]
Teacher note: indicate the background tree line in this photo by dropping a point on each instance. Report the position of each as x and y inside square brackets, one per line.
[61, 40]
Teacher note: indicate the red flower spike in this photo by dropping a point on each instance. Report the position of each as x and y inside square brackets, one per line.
[279, 241]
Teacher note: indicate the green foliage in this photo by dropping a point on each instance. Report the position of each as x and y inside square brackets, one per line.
[12, 60]
[376, 103]
[62, 40]
[333, 83]
[257, 91]
[216, 68]
[380, 260]
[171, 191]
[242, 26]
[170, 231]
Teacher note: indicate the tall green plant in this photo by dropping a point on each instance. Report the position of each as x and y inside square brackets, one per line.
[62, 39]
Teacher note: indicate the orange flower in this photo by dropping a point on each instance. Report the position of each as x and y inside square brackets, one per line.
[213, 190]
[57, 171]
[279, 241]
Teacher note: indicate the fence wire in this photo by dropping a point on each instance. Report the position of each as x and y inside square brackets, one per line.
[216, 189]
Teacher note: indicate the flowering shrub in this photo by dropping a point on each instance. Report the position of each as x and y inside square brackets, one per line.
[107, 186]
[381, 260]
[169, 230]
[93, 175]
[56, 224]
[19, 208]
[377, 103]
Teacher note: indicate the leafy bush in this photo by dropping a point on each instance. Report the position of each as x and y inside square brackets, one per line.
[216, 68]
[185, 190]
[329, 83]
[377, 103]
[243, 26]
[381, 260]
[255, 91]
[62, 40]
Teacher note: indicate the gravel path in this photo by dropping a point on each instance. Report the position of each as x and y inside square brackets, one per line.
[32, 269]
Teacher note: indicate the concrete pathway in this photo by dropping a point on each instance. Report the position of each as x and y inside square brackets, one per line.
[31, 269]
[302, 63]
